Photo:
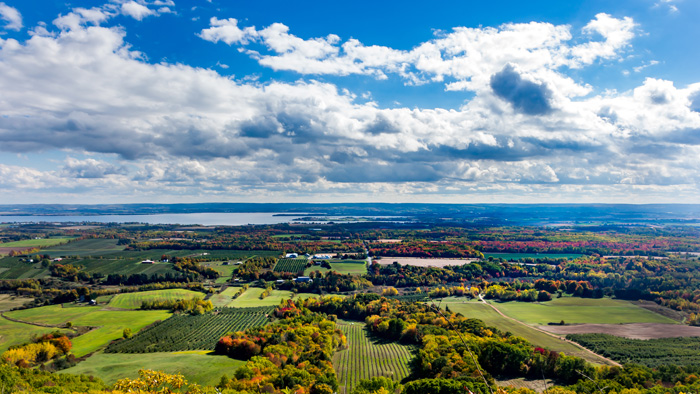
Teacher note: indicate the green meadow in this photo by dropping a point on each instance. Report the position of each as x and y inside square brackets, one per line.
[358, 267]
[36, 243]
[134, 300]
[12, 333]
[580, 310]
[251, 298]
[197, 366]
[107, 324]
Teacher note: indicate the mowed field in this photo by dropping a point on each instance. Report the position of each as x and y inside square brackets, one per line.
[479, 310]
[251, 298]
[12, 333]
[365, 358]
[580, 310]
[108, 324]
[197, 366]
[134, 300]
[8, 301]
[36, 243]
[356, 267]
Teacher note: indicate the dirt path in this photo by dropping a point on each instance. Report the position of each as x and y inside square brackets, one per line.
[611, 362]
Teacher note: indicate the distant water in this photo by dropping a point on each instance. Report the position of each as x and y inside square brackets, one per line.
[205, 219]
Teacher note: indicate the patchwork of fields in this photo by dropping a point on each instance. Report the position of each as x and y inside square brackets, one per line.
[108, 325]
[134, 300]
[580, 310]
[366, 358]
[187, 332]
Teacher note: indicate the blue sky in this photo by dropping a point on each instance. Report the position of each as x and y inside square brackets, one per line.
[500, 101]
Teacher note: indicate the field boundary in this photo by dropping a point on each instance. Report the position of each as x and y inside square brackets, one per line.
[611, 362]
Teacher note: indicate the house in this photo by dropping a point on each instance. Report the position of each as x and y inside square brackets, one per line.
[280, 281]
[92, 302]
[226, 263]
[323, 256]
[239, 262]
[291, 255]
[57, 259]
[303, 279]
[148, 262]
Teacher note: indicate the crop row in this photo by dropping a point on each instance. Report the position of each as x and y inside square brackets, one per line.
[290, 265]
[187, 332]
[366, 358]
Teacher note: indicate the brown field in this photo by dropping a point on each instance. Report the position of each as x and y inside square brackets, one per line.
[424, 262]
[6, 251]
[537, 385]
[632, 330]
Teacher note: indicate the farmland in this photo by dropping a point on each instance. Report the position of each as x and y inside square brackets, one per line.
[8, 301]
[109, 325]
[251, 298]
[291, 265]
[13, 268]
[580, 310]
[225, 297]
[187, 332]
[36, 243]
[481, 311]
[134, 300]
[344, 267]
[518, 256]
[13, 333]
[366, 358]
[650, 352]
[425, 262]
[196, 366]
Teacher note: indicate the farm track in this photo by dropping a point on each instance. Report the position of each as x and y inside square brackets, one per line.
[607, 360]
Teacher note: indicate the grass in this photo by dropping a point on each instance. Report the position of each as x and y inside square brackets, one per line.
[8, 301]
[481, 311]
[134, 300]
[36, 243]
[12, 333]
[197, 366]
[366, 358]
[225, 271]
[251, 298]
[109, 324]
[341, 268]
[225, 297]
[580, 310]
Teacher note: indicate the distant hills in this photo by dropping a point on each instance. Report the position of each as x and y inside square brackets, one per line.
[487, 214]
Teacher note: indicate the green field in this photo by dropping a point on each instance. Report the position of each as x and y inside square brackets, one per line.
[134, 300]
[197, 366]
[184, 332]
[225, 271]
[225, 297]
[580, 310]
[36, 243]
[366, 358]
[96, 247]
[481, 311]
[251, 298]
[108, 325]
[12, 333]
[358, 268]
